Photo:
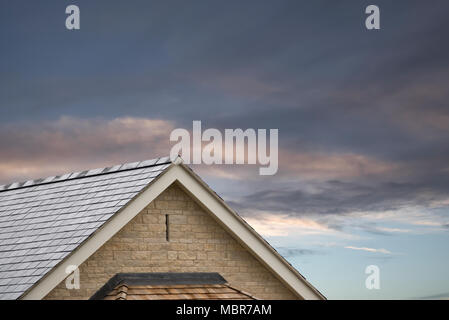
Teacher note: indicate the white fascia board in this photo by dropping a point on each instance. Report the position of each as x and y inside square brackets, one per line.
[208, 200]
[246, 235]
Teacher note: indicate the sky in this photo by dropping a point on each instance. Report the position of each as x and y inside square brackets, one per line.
[362, 115]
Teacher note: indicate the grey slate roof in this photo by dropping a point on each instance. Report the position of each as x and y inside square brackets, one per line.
[42, 221]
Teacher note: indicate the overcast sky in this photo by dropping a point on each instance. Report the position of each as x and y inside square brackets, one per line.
[363, 118]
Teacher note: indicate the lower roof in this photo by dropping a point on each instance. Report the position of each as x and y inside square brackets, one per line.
[169, 286]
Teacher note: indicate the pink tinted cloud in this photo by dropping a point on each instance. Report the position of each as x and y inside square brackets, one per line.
[69, 143]
[308, 165]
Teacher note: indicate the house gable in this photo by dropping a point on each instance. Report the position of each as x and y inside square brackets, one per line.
[211, 204]
[196, 243]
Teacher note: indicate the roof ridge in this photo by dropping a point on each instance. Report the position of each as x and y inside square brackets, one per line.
[86, 173]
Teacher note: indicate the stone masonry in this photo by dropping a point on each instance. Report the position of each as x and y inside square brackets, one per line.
[197, 243]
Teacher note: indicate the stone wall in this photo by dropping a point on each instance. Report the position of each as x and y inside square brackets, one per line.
[197, 243]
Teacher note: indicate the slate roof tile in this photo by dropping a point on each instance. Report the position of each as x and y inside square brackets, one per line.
[43, 220]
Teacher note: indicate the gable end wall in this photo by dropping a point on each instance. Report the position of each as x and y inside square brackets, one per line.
[197, 243]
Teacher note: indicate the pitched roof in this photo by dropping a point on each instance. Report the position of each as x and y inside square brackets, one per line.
[47, 225]
[43, 221]
[169, 286]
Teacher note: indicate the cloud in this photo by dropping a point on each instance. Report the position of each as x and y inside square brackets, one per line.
[292, 252]
[70, 143]
[392, 230]
[373, 228]
[340, 197]
[328, 165]
[300, 194]
[311, 166]
[280, 225]
[384, 251]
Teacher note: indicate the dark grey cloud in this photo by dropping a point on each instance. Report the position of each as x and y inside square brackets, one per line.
[169, 58]
[340, 197]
